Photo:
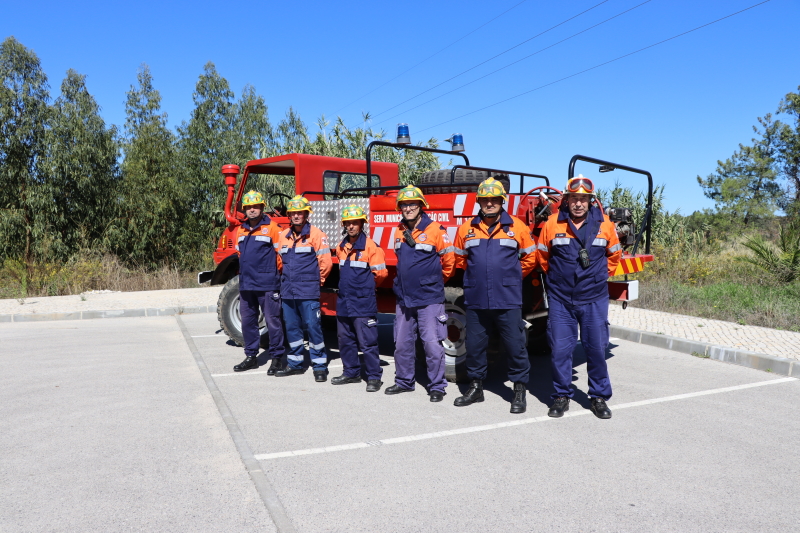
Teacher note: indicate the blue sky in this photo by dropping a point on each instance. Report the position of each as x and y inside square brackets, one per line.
[673, 109]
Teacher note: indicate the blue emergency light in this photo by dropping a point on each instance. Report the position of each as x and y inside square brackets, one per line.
[403, 137]
[457, 140]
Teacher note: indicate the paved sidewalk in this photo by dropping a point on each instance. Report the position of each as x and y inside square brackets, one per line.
[768, 341]
[750, 338]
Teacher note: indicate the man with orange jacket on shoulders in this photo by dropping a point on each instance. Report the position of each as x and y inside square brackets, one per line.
[496, 252]
[305, 258]
[578, 249]
[361, 269]
[425, 260]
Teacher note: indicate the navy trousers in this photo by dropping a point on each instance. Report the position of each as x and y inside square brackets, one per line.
[302, 315]
[429, 321]
[270, 304]
[508, 322]
[562, 334]
[355, 333]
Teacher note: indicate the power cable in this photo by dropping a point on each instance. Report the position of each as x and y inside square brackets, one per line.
[431, 56]
[512, 63]
[491, 58]
[594, 67]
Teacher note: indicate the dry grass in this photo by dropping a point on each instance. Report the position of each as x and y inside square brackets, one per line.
[715, 283]
[86, 273]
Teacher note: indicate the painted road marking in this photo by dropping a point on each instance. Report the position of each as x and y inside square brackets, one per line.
[520, 422]
[251, 373]
[218, 335]
[613, 339]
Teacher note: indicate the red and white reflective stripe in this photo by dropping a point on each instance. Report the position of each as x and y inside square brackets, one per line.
[377, 234]
[513, 207]
[451, 233]
[458, 206]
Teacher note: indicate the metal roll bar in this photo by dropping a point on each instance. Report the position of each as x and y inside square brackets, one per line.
[521, 175]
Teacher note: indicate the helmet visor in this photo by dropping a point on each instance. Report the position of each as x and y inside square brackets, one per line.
[580, 185]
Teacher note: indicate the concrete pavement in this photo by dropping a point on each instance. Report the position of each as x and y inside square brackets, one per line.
[108, 424]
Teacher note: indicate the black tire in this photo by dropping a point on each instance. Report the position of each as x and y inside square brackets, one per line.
[455, 348]
[230, 319]
[463, 175]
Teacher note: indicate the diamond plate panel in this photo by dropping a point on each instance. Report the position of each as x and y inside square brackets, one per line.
[327, 213]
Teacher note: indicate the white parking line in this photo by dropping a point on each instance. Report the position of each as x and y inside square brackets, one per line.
[251, 373]
[613, 339]
[218, 335]
[520, 422]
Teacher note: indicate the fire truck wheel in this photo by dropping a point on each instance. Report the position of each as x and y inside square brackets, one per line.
[463, 175]
[455, 349]
[230, 318]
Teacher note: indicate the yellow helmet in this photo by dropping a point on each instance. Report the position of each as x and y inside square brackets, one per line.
[491, 188]
[579, 185]
[252, 198]
[298, 203]
[410, 193]
[353, 212]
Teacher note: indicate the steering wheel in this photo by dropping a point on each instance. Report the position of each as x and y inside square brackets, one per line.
[279, 195]
[539, 188]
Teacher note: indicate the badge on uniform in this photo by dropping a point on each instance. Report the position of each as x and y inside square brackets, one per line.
[561, 234]
[445, 238]
[510, 233]
[263, 230]
[422, 237]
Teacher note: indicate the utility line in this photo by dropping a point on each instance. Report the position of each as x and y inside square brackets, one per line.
[492, 58]
[431, 56]
[594, 67]
[512, 63]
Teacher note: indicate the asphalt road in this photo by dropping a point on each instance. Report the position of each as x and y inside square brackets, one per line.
[109, 425]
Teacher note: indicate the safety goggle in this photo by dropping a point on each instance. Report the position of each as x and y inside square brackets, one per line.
[576, 185]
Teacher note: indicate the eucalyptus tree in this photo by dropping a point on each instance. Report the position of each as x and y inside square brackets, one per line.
[82, 174]
[24, 112]
[147, 227]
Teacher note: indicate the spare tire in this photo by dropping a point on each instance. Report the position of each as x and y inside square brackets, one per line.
[463, 175]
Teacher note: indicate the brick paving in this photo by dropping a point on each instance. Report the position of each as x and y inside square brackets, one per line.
[751, 338]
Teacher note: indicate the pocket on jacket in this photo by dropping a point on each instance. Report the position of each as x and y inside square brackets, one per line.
[430, 280]
[512, 282]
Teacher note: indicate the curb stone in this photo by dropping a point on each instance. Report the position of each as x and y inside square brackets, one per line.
[757, 361]
[109, 313]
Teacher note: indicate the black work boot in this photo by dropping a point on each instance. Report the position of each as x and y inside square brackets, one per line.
[289, 371]
[374, 385]
[519, 404]
[343, 380]
[473, 395]
[274, 366]
[600, 409]
[320, 376]
[559, 406]
[251, 361]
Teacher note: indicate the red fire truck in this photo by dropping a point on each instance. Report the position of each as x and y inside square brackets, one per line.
[331, 183]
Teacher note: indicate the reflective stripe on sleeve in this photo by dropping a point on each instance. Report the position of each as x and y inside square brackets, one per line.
[358, 264]
[459, 251]
[241, 238]
[615, 248]
[424, 247]
[447, 250]
[542, 247]
[528, 250]
[324, 251]
[600, 242]
[381, 266]
[561, 241]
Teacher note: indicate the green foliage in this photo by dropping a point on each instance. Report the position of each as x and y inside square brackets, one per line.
[780, 260]
[24, 113]
[788, 156]
[81, 171]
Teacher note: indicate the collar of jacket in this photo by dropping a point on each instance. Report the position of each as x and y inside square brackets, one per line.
[424, 222]
[264, 220]
[504, 219]
[305, 231]
[360, 244]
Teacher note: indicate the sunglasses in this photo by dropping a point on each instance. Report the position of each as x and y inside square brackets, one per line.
[576, 184]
